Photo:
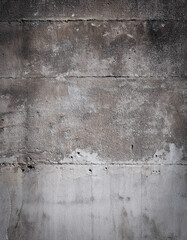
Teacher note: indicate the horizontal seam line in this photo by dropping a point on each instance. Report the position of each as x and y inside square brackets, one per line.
[94, 164]
[22, 20]
[99, 76]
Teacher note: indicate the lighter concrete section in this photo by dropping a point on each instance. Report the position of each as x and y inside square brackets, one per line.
[93, 202]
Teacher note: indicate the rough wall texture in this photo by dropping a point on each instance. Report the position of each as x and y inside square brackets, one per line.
[92, 120]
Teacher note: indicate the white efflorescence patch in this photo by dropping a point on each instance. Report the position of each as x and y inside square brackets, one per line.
[173, 155]
[82, 156]
[60, 77]
[55, 48]
[129, 35]
[45, 70]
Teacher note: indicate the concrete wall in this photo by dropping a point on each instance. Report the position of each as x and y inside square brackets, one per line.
[92, 120]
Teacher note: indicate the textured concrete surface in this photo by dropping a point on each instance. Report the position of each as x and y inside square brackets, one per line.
[88, 48]
[93, 120]
[103, 119]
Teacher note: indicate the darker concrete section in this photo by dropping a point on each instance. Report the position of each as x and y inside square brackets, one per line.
[92, 9]
[93, 49]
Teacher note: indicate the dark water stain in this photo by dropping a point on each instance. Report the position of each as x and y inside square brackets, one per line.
[16, 94]
[125, 213]
[21, 95]
[117, 48]
[159, 33]
[164, 39]
[19, 214]
[18, 36]
[9, 34]
[154, 231]
[126, 231]
[24, 229]
[26, 51]
[77, 201]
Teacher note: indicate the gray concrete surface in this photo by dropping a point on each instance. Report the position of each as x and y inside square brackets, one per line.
[103, 119]
[94, 202]
[93, 120]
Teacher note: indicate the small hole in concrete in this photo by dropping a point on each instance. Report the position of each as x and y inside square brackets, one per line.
[153, 171]
[159, 171]
[78, 153]
[30, 166]
[71, 157]
[132, 146]
[23, 170]
[106, 168]
[90, 170]
[156, 156]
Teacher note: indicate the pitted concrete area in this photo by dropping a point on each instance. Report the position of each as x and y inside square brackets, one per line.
[93, 120]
